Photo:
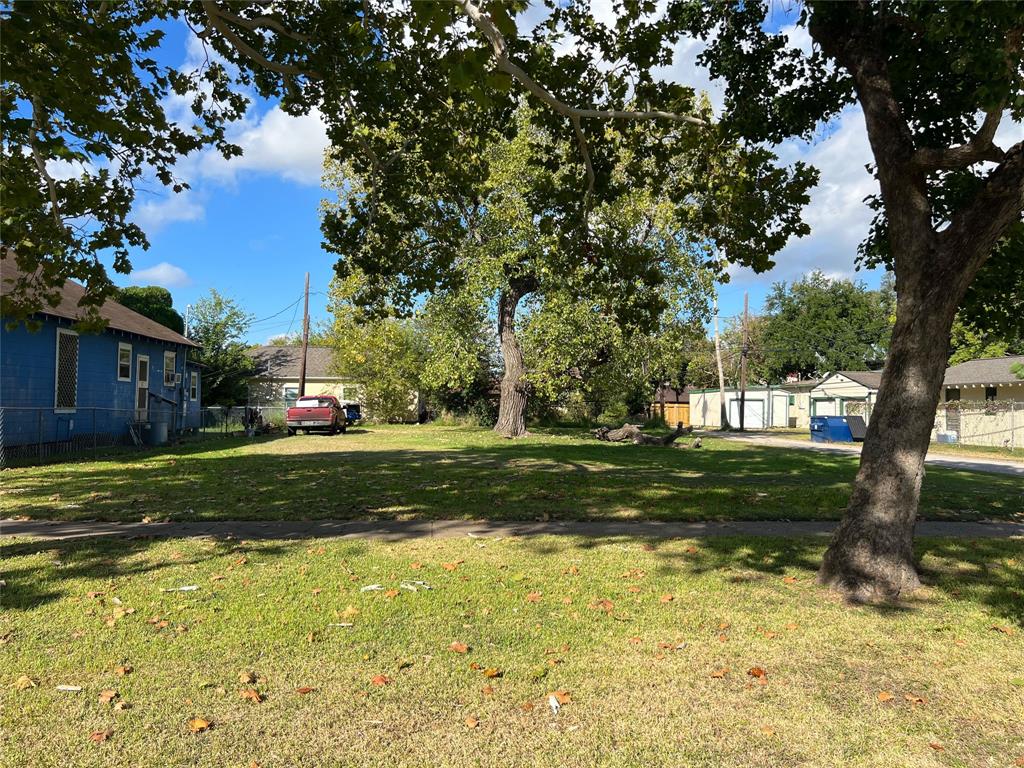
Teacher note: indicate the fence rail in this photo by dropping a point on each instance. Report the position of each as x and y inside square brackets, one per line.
[38, 435]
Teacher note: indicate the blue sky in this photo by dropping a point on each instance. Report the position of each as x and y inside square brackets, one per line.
[250, 228]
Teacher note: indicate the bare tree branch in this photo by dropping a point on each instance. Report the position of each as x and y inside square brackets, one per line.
[219, 19]
[37, 155]
[500, 48]
[980, 147]
[260, 22]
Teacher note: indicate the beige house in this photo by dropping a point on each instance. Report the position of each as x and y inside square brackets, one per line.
[276, 381]
[982, 404]
[800, 401]
[845, 393]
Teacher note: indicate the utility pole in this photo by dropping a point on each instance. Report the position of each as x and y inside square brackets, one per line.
[305, 340]
[723, 416]
[744, 350]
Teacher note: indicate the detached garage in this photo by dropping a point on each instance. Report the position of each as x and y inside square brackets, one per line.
[846, 393]
[764, 408]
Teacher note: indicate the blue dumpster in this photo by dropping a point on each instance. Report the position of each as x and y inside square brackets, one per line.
[830, 429]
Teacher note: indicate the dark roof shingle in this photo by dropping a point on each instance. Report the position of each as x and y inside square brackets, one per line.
[282, 362]
[869, 379]
[987, 370]
[118, 317]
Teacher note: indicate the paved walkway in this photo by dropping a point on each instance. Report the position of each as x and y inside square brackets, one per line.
[398, 530]
[968, 463]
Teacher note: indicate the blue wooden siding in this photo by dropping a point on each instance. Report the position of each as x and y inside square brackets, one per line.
[104, 404]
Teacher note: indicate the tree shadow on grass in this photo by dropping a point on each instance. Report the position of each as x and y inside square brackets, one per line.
[573, 479]
[986, 572]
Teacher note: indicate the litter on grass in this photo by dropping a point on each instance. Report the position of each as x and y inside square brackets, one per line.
[69, 688]
[187, 588]
[371, 588]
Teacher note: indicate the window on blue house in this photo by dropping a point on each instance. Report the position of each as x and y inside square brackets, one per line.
[193, 386]
[66, 386]
[170, 361]
[124, 362]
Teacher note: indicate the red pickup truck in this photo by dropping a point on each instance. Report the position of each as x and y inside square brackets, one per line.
[316, 412]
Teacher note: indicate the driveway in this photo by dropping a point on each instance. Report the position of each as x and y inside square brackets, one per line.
[966, 463]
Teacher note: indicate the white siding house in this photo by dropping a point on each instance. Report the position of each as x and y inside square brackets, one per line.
[845, 393]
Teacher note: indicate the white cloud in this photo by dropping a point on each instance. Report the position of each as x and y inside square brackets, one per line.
[163, 274]
[276, 143]
[152, 215]
[837, 214]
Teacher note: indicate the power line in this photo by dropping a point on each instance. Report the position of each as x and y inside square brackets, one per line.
[271, 317]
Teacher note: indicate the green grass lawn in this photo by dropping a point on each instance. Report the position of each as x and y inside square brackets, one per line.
[651, 681]
[457, 472]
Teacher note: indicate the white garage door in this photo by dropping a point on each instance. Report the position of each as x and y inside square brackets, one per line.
[754, 416]
[824, 408]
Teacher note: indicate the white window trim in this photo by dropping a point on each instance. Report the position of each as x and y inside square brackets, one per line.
[193, 386]
[120, 346]
[56, 372]
[174, 366]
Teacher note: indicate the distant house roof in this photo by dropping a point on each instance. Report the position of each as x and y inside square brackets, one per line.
[280, 362]
[987, 370]
[869, 379]
[671, 395]
[803, 385]
[118, 317]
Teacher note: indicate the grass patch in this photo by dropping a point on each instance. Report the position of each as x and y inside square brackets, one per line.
[639, 674]
[437, 472]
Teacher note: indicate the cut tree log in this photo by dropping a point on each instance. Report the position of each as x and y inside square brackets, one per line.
[630, 433]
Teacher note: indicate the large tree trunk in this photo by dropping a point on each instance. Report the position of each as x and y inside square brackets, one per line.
[512, 406]
[871, 554]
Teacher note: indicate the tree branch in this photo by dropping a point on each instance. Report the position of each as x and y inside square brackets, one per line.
[219, 20]
[500, 48]
[980, 147]
[37, 155]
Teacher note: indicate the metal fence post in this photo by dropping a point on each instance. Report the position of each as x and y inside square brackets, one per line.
[39, 433]
[94, 429]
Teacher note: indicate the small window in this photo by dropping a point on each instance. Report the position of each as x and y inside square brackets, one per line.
[66, 385]
[290, 394]
[952, 394]
[124, 362]
[792, 399]
[193, 386]
[170, 361]
[990, 393]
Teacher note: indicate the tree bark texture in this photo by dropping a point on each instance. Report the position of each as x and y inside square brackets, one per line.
[512, 406]
[630, 433]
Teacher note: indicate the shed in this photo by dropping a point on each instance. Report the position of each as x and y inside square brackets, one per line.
[672, 404]
[765, 407]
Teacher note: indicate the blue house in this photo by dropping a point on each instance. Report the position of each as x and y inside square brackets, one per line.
[60, 388]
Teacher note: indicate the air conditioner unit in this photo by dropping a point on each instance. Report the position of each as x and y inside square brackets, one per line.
[177, 378]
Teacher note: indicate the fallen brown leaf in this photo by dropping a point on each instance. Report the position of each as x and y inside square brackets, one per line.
[724, 625]
[381, 680]
[936, 746]
[487, 690]
[720, 673]
[572, 570]
[666, 598]
[415, 566]
[24, 682]
[475, 666]
[533, 597]
[121, 706]
[562, 697]
[107, 695]
[790, 579]
[123, 670]
[452, 566]
[252, 695]
[459, 647]
[635, 640]
[101, 736]
[1005, 630]
[493, 672]
[246, 678]
[303, 690]
[472, 722]
[767, 730]
[317, 590]
[756, 672]
[391, 594]
[914, 699]
[885, 696]
[198, 724]
[527, 707]
[602, 605]
[634, 589]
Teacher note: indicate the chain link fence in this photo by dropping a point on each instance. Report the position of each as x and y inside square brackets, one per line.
[41, 435]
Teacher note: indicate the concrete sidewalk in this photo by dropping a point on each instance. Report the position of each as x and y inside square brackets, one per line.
[965, 463]
[398, 530]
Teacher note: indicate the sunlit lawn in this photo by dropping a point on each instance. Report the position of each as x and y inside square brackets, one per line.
[659, 674]
[456, 472]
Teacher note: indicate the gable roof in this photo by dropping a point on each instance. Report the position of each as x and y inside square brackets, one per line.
[869, 379]
[279, 362]
[118, 317]
[801, 385]
[672, 395]
[986, 370]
